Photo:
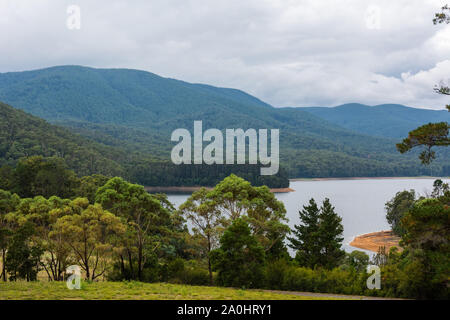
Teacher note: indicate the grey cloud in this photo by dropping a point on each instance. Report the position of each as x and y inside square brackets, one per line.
[286, 52]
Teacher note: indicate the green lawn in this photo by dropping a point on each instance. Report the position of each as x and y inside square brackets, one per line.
[134, 290]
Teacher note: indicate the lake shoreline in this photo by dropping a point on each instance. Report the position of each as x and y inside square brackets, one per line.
[191, 189]
[372, 241]
[364, 178]
[188, 190]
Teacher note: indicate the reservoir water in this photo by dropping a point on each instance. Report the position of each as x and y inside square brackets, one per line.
[360, 202]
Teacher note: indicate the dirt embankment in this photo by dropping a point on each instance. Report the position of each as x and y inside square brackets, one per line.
[193, 189]
[281, 190]
[372, 241]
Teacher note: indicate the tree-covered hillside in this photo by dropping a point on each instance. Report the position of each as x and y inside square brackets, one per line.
[119, 96]
[23, 136]
[136, 111]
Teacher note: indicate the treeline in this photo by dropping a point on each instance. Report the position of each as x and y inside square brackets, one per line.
[238, 238]
[125, 233]
[168, 174]
[323, 163]
[122, 225]
[47, 177]
[37, 175]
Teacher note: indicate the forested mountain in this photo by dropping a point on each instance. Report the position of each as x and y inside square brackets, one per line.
[387, 120]
[119, 96]
[23, 135]
[136, 111]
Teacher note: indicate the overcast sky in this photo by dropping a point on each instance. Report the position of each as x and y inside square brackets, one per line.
[286, 52]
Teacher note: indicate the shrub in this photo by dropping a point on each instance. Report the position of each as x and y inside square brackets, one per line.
[298, 279]
[240, 259]
[282, 275]
[191, 276]
[275, 273]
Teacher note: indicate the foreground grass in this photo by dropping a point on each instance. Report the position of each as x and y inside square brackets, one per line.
[134, 291]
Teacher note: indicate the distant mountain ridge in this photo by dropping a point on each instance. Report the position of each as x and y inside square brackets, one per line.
[137, 111]
[124, 96]
[386, 120]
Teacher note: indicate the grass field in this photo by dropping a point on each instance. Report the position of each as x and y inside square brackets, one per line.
[135, 291]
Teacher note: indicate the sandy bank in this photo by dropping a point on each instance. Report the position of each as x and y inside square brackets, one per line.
[372, 241]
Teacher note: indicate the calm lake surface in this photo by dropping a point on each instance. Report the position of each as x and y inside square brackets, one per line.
[359, 202]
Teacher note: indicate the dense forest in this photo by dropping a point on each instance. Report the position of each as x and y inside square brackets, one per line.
[23, 136]
[136, 111]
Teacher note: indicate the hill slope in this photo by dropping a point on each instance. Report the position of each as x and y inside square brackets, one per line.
[137, 111]
[23, 135]
[388, 120]
[120, 96]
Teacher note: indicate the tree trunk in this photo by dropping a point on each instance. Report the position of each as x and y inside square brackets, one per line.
[122, 265]
[209, 262]
[130, 261]
[210, 271]
[59, 275]
[3, 264]
[140, 262]
[88, 275]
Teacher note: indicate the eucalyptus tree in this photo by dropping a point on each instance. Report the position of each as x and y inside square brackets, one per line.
[236, 198]
[90, 233]
[206, 221]
[148, 221]
[42, 214]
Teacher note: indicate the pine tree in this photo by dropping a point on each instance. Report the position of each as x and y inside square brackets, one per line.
[306, 236]
[330, 236]
[318, 238]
